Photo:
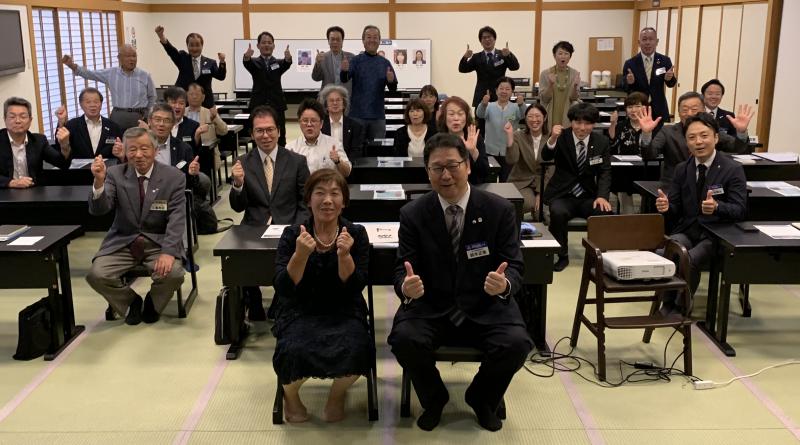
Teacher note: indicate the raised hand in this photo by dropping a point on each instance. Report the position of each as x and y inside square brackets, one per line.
[614, 118]
[160, 33]
[237, 173]
[61, 115]
[630, 78]
[221, 57]
[551, 76]
[555, 133]
[389, 75]
[669, 74]
[495, 283]
[412, 284]
[66, 59]
[319, 56]
[305, 244]
[343, 243]
[249, 52]
[471, 142]
[334, 155]
[743, 116]
[708, 205]
[662, 202]
[118, 150]
[646, 121]
[505, 51]
[486, 97]
[508, 128]
[202, 128]
[194, 166]
[520, 99]
[62, 136]
[212, 112]
[468, 53]
[287, 55]
[99, 171]
[143, 124]
[345, 64]
[602, 204]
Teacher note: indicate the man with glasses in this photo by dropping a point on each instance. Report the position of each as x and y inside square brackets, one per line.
[490, 64]
[268, 187]
[22, 152]
[329, 64]
[458, 268]
[320, 150]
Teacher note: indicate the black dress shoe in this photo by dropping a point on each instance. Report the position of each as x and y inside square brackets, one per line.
[134, 316]
[487, 417]
[255, 312]
[430, 418]
[149, 314]
[562, 263]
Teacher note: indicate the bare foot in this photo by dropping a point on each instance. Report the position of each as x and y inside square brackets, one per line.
[295, 412]
[334, 409]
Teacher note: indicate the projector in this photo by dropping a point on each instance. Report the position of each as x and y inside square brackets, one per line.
[637, 265]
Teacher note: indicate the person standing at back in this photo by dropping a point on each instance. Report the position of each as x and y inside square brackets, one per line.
[329, 64]
[193, 67]
[267, 71]
[648, 72]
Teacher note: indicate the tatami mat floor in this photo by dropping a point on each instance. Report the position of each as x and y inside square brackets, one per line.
[169, 383]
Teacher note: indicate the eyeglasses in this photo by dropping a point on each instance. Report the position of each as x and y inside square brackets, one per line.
[309, 121]
[263, 131]
[22, 117]
[452, 167]
[160, 120]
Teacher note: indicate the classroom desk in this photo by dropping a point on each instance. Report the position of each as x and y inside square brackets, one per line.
[249, 260]
[366, 171]
[737, 251]
[45, 265]
[53, 204]
[52, 175]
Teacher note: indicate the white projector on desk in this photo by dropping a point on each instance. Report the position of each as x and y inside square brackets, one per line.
[637, 265]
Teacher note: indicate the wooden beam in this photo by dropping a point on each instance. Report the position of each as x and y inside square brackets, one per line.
[770, 64]
[34, 65]
[392, 19]
[537, 41]
[246, 19]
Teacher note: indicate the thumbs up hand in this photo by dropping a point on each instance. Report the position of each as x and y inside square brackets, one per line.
[412, 284]
[630, 78]
[61, 115]
[287, 55]
[505, 51]
[496, 282]
[319, 56]
[344, 242]
[249, 53]
[389, 75]
[467, 53]
[305, 244]
[662, 202]
[118, 150]
[194, 166]
[669, 74]
[709, 205]
[345, 64]
[486, 98]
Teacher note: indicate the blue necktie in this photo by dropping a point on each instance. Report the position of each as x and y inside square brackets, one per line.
[578, 190]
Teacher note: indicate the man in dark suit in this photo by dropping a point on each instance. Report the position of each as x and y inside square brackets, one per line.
[184, 129]
[91, 134]
[712, 92]
[671, 142]
[344, 128]
[266, 72]
[149, 224]
[193, 67]
[489, 65]
[458, 268]
[648, 72]
[22, 152]
[268, 187]
[706, 188]
[582, 180]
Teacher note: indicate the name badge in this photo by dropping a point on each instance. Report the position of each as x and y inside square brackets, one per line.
[274, 66]
[205, 71]
[180, 165]
[159, 205]
[110, 140]
[477, 250]
[186, 139]
[499, 62]
[716, 190]
[596, 160]
[660, 71]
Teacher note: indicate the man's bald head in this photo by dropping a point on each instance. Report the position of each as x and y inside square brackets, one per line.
[127, 57]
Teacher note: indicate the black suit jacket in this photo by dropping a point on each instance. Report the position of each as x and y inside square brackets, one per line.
[285, 204]
[401, 139]
[684, 209]
[595, 180]
[208, 70]
[186, 131]
[267, 88]
[352, 136]
[37, 151]
[654, 89]
[451, 281]
[487, 73]
[81, 144]
[725, 126]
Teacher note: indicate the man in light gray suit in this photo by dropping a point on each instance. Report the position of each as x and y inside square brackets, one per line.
[268, 186]
[328, 64]
[148, 227]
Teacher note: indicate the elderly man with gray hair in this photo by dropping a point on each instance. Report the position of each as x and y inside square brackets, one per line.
[346, 130]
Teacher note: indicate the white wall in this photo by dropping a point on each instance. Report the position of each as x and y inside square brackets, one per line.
[22, 84]
[783, 135]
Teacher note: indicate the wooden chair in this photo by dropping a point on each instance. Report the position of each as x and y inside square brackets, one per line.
[631, 232]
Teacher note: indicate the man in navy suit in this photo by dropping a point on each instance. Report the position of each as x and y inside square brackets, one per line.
[712, 92]
[266, 71]
[90, 135]
[489, 65]
[648, 72]
[458, 268]
[193, 67]
[184, 129]
[173, 151]
[706, 188]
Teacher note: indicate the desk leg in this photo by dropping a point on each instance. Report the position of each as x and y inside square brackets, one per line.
[744, 300]
[238, 336]
[63, 309]
[537, 317]
[724, 309]
[718, 307]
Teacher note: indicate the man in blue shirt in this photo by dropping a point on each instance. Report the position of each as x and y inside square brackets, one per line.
[371, 74]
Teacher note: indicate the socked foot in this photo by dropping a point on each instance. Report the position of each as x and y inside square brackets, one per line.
[294, 411]
[334, 410]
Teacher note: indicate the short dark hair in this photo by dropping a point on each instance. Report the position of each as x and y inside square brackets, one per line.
[583, 111]
[262, 111]
[488, 29]
[162, 107]
[441, 123]
[16, 101]
[368, 27]
[175, 93]
[194, 35]
[90, 90]
[325, 175]
[566, 46]
[334, 29]
[507, 80]
[705, 119]
[444, 140]
[542, 110]
[712, 82]
[196, 85]
[310, 104]
[416, 104]
[637, 98]
[690, 95]
[264, 33]
[429, 89]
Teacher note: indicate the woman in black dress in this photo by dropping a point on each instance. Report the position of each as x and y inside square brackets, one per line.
[321, 325]
[625, 135]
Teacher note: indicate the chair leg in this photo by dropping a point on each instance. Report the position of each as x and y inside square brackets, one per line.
[110, 315]
[181, 308]
[687, 350]
[372, 395]
[648, 332]
[501, 409]
[277, 407]
[405, 395]
[601, 337]
[576, 322]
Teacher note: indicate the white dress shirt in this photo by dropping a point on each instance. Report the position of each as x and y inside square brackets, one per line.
[20, 157]
[95, 130]
[162, 153]
[318, 153]
[97, 192]
[337, 129]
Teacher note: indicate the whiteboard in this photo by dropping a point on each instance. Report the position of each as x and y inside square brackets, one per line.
[410, 76]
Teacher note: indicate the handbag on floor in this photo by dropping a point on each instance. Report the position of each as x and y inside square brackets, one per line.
[35, 331]
[222, 317]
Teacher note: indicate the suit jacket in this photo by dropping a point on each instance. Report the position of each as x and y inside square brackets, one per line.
[595, 180]
[81, 143]
[525, 161]
[216, 127]
[725, 174]
[487, 73]
[208, 70]
[267, 88]
[725, 126]
[185, 134]
[401, 139]
[324, 71]
[457, 281]
[655, 88]
[121, 193]
[37, 151]
[672, 144]
[285, 204]
[352, 135]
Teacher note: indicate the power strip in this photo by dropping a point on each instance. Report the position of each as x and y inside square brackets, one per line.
[703, 384]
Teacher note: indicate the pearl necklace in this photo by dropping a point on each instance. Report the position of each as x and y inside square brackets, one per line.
[326, 246]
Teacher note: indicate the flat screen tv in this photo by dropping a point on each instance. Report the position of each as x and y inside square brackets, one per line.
[13, 59]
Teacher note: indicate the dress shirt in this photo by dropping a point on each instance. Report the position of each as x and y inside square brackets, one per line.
[462, 202]
[128, 90]
[318, 153]
[708, 163]
[193, 115]
[174, 131]
[273, 154]
[20, 158]
[95, 130]
[97, 192]
[337, 129]
[162, 153]
[416, 145]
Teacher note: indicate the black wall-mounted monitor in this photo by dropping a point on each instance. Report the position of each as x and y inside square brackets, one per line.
[13, 59]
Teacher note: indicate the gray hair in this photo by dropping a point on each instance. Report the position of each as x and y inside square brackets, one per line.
[163, 108]
[331, 88]
[20, 102]
[137, 132]
[367, 28]
[690, 95]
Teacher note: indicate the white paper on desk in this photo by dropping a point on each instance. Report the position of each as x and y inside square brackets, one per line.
[779, 157]
[787, 191]
[786, 231]
[274, 231]
[80, 163]
[385, 187]
[382, 232]
[242, 116]
[601, 96]
[628, 158]
[540, 243]
[393, 127]
[768, 184]
[619, 104]
[385, 142]
[393, 158]
[605, 114]
[392, 195]
[745, 157]
[27, 241]
[613, 163]
[390, 164]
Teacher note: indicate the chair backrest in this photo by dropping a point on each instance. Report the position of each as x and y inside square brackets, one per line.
[626, 232]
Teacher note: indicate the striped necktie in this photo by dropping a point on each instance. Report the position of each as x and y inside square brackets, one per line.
[269, 172]
[454, 227]
[577, 190]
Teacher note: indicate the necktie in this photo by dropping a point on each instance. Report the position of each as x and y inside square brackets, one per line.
[196, 64]
[701, 182]
[454, 227]
[269, 172]
[137, 246]
[648, 67]
[141, 191]
[577, 190]
[490, 58]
